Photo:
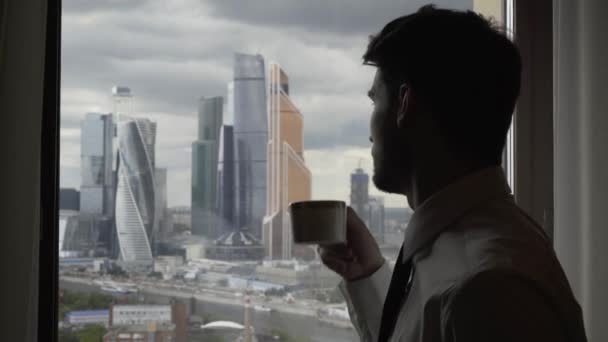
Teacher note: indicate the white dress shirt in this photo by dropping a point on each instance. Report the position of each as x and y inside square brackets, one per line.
[484, 271]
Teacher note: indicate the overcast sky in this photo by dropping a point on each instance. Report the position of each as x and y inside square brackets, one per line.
[170, 53]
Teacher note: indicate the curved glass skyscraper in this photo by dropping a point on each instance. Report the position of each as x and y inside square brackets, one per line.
[251, 138]
[135, 190]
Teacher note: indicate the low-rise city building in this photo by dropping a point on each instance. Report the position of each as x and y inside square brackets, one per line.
[150, 332]
[88, 317]
[167, 265]
[139, 314]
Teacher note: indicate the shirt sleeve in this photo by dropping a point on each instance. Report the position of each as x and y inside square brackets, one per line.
[494, 306]
[365, 299]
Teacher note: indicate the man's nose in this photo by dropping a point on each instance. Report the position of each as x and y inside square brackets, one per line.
[371, 139]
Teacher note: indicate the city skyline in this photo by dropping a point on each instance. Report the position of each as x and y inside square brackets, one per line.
[237, 109]
[328, 81]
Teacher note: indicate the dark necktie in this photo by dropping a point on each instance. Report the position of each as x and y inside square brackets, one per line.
[396, 296]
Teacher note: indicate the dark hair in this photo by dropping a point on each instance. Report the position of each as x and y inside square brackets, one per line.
[464, 68]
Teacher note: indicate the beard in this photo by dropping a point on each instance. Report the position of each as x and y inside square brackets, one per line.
[390, 171]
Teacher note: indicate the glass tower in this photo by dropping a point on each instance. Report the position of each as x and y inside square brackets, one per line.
[226, 180]
[359, 193]
[96, 164]
[205, 155]
[135, 201]
[251, 138]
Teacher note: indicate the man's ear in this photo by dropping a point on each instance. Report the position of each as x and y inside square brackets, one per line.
[405, 104]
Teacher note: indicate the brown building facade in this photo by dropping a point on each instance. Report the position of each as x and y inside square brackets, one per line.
[288, 178]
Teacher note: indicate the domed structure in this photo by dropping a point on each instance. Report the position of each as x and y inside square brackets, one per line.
[223, 325]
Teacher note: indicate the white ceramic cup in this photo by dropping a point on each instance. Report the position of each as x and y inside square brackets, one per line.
[318, 222]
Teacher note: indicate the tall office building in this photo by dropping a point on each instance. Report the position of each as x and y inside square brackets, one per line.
[369, 208]
[161, 212]
[97, 183]
[226, 176]
[229, 112]
[288, 178]
[376, 218]
[135, 198]
[205, 155]
[250, 137]
[235, 243]
[359, 192]
[96, 195]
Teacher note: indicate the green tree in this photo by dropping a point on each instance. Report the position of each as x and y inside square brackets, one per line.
[74, 301]
[66, 335]
[98, 301]
[285, 337]
[91, 333]
[214, 338]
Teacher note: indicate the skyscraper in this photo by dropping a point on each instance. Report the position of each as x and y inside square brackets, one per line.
[96, 194]
[205, 155]
[250, 137]
[97, 183]
[161, 213]
[287, 175]
[369, 208]
[135, 200]
[236, 242]
[226, 175]
[376, 218]
[359, 192]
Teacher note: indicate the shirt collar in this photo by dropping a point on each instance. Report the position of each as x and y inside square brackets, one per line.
[445, 206]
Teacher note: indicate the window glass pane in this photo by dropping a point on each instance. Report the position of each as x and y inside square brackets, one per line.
[187, 127]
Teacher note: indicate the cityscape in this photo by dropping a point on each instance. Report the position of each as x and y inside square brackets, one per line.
[224, 268]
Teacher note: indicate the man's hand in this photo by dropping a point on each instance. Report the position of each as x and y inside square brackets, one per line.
[359, 257]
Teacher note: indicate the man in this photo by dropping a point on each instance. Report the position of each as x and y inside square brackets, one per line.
[473, 266]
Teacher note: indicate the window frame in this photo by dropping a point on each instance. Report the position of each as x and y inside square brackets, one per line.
[525, 160]
[532, 129]
[48, 262]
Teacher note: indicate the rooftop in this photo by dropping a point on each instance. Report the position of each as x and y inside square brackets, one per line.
[88, 312]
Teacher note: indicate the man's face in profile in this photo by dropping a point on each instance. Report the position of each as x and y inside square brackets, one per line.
[389, 149]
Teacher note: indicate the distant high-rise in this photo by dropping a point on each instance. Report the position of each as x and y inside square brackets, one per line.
[375, 218]
[359, 192]
[205, 155]
[226, 176]
[96, 203]
[135, 198]
[369, 208]
[161, 212]
[288, 177]
[96, 194]
[251, 137]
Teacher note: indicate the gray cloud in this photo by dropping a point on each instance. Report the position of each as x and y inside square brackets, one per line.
[172, 52]
[331, 16]
[87, 6]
